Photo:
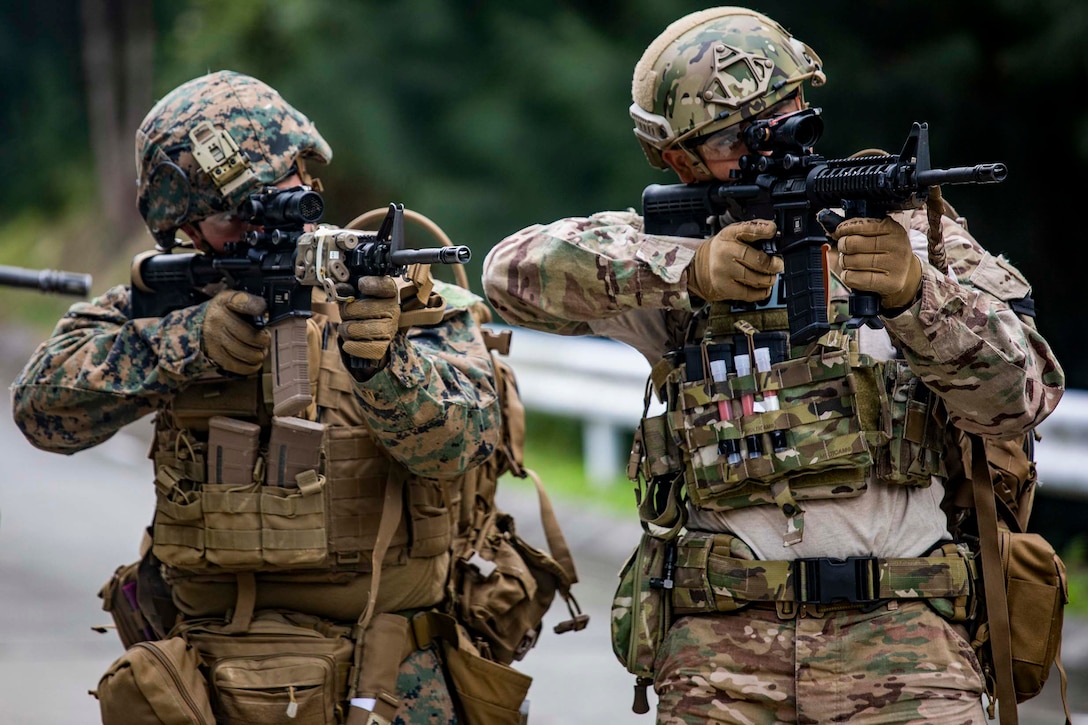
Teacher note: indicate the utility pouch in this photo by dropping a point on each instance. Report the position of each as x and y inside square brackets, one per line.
[826, 412]
[964, 608]
[642, 610]
[357, 470]
[704, 581]
[504, 586]
[431, 518]
[286, 667]
[915, 451]
[1024, 583]
[489, 692]
[1037, 591]
[654, 453]
[155, 683]
[119, 599]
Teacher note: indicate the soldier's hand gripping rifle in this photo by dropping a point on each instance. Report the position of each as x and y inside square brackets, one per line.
[783, 179]
[336, 259]
[269, 262]
[46, 280]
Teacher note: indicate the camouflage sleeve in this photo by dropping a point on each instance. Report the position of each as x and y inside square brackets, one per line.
[434, 406]
[100, 371]
[995, 372]
[562, 276]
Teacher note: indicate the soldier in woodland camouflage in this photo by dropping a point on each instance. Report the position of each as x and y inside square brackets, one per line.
[418, 413]
[867, 413]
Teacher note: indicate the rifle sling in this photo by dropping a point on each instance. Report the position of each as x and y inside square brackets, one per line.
[993, 578]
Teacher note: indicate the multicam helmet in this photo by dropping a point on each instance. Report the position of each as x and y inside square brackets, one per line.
[210, 143]
[713, 69]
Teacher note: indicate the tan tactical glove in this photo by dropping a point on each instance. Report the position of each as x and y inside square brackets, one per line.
[876, 256]
[229, 338]
[727, 267]
[370, 321]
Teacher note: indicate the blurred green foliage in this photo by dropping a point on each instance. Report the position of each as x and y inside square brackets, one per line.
[489, 116]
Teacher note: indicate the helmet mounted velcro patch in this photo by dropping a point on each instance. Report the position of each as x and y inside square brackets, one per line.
[738, 77]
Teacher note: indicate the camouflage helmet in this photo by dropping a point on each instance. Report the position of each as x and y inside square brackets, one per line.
[211, 142]
[713, 69]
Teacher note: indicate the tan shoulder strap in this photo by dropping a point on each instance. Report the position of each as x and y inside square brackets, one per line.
[560, 553]
[993, 578]
[392, 509]
[557, 543]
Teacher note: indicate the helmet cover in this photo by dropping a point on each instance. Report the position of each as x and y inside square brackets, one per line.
[211, 142]
[713, 69]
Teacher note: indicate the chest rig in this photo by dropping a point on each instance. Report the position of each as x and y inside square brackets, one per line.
[750, 420]
[238, 489]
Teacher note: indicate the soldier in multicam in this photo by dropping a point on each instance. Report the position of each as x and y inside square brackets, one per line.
[421, 409]
[864, 472]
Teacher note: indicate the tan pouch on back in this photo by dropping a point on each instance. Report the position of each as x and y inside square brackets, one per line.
[157, 683]
[490, 693]
[285, 668]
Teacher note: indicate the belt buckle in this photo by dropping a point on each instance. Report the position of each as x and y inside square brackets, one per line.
[825, 580]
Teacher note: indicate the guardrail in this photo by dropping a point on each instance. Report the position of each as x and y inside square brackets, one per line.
[602, 383]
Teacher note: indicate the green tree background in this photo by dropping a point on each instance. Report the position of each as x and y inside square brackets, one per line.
[489, 116]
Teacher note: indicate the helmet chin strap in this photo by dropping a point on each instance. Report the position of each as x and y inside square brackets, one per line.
[311, 181]
[694, 167]
[698, 166]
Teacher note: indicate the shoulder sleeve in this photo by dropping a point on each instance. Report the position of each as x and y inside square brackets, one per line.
[434, 406]
[965, 339]
[100, 370]
[560, 277]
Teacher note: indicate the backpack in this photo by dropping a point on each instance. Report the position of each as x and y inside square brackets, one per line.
[500, 587]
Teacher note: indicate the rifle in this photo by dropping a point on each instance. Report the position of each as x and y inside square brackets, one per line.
[46, 280]
[783, 179]
[279, 262]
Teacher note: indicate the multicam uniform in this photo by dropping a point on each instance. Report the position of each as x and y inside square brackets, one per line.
[429, 416]
[994, 375]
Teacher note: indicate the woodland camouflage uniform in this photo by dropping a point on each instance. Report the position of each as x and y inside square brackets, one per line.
[428, 416]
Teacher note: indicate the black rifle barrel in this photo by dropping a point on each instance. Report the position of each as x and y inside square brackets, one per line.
[46, 280]
[977, 174]
[438, 255]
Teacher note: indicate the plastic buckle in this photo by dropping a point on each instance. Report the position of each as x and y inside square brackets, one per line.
[480, 567]
[528, 641]
[825, 580]
[575, 624]
[577, 621]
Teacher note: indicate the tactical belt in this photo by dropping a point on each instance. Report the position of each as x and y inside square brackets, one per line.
[709, 582]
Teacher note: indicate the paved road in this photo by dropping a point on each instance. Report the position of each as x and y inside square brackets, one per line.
[67, 522]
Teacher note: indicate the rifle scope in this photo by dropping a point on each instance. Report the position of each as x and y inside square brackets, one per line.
[795, 132]
[283, 208]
